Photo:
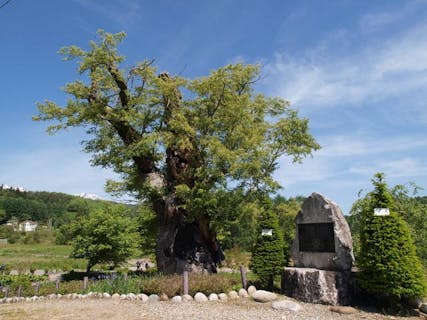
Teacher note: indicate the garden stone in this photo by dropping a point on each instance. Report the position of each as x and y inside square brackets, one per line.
[176, 299]
[187, 297]
[264, 296]
[423, 307]
[115, 296]
[213, 297]
[27, 299]
[226, 270]
[123, 296]
[163, 297]
[59, 296]
[233, 295]
[222, 297]
[343, 310]
[8, 300]
[243, 293]
[143, 297]
[200, 297]
[153, 297]
[106, 295]
[14, 273]
[286, 305]
[251, 290]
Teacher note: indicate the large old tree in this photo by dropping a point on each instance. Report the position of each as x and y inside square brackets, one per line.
[181, 144]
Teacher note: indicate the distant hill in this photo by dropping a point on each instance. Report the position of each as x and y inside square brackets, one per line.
[43, 206]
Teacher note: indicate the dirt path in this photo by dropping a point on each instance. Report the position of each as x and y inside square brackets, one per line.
[131, 310]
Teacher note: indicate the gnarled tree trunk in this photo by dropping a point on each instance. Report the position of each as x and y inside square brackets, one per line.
[181, 245]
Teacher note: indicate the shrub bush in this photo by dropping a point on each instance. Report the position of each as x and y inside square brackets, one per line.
[389, 266]
[268, 252]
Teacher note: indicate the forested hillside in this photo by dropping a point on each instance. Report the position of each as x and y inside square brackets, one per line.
[43, 206]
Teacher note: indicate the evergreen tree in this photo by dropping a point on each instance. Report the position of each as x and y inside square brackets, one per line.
[388, 262]
[268, 251]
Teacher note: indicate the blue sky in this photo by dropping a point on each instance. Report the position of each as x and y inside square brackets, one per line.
[356, 69]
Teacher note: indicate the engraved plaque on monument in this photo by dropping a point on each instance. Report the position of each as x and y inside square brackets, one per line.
[323, 238]
[316, 237]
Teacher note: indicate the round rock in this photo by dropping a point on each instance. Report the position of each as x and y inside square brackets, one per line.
[153, 297]
[213, 297]
[187, 297]
[423, 307]
[264, 296]
[243, 293]
[163, 297]
[200, 297]
[233, 295]
[143, 297]
[176, 299]
[222, 297]
[286, 305]
[251, 290]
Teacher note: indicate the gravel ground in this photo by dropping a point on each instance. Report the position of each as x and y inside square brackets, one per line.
[240, 309]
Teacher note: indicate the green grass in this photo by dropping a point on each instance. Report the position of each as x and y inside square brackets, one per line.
[23, 257]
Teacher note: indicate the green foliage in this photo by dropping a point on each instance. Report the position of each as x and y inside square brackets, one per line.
[287, 210]
[2, 215]
[147, 227]
[237, 257]
[21, 237]
[104, 236]
[170, 285]
[412, 209]
[44, 206]
[387, 259]
[229, 136]
[267, 253]
[24, 257]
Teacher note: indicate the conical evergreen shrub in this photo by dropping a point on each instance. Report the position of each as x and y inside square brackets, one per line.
[268, 251]
[389, 266]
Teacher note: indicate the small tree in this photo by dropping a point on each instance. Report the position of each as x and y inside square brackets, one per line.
[267, 253]
[388, 262]
[104, 236]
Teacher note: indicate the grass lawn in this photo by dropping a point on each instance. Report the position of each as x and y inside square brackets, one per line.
[31, 257]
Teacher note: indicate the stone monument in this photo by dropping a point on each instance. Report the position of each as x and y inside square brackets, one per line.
[322, 254]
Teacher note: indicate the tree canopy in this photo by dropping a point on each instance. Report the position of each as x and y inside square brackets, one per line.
[104, 236]
[183, 144]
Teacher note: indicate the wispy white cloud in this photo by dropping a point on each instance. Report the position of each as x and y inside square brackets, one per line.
[342, 145]
[398, 168]
[392, 68]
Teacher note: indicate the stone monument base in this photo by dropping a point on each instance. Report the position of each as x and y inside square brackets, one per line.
[317, 286]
